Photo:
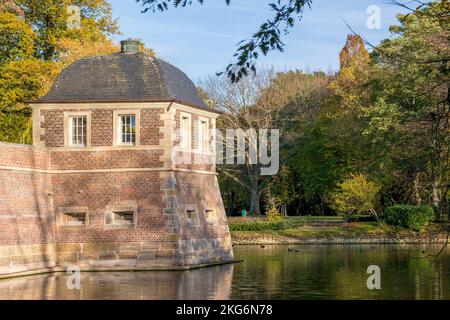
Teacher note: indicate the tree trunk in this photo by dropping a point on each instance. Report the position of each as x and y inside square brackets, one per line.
[436, 193]
[254, 202]
[374, 213]
[254, 192]
[418, 200]
[283, 210]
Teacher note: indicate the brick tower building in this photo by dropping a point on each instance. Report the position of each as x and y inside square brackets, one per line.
[103, 187]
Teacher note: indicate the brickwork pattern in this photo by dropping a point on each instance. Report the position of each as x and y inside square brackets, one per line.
[25, 208]
[111, 159]
[23, 156]
[97, 191]
[206, 241]
[150, 124]
[33, 194]
[101, 128]
[53, 126]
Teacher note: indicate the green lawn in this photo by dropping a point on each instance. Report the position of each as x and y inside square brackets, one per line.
[298, 227]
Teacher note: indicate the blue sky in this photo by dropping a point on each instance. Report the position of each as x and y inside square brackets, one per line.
[201, 40]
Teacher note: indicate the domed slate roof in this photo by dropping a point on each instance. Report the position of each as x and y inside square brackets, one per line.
[123, 77]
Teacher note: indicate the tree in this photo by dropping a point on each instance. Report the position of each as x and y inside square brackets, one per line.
[285, 101]
[244, 111]
[321, 162]
[412, 98]
[282, 188]
[16, 38]
[267, 38]
[329, 145]
[49, 19]
[10, 6]
[36, 42]
[349, 84]
[356, 195]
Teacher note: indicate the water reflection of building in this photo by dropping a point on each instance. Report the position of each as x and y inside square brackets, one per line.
[199, 284]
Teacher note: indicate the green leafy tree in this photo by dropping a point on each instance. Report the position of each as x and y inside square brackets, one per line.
[36, 42]
[16, 38]
[411, 93]
[49, 19]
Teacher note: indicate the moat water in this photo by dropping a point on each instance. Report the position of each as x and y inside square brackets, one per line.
[273, 272]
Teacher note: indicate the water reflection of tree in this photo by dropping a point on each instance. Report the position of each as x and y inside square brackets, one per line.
[429, 266]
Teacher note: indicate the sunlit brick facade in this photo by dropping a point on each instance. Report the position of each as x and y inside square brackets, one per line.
[101, 187]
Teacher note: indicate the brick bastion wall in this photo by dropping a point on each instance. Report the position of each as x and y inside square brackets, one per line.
[36, 184]
[27, 238]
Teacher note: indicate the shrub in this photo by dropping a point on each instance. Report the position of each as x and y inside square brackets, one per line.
[272, 204]
[356, 195]
[257, 226]
[409, 216]
[274, 215]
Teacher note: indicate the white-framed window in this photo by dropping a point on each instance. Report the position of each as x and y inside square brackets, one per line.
[203, 136]
[78, 131]
[77, 126]
[185, 128]
[126, 127]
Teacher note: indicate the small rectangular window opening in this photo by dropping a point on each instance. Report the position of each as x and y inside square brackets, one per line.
[192, 217]
[74, 218]
[210, 215]
[124, 217]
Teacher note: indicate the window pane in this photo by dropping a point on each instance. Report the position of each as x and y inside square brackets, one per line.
[79, 131]
[204, 135]
[185, 132]
[84, 131]
[128, 128]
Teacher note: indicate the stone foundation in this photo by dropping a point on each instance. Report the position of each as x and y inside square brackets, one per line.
[23, 258]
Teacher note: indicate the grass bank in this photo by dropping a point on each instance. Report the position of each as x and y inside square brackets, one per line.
[329, 230]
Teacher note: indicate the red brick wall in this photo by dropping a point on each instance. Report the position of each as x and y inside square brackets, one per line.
[32, 193]
[102, 128]
[203, 191]
[204, 242]
[111, 159]
[97, 191]
[53, 126]
[150, 125]
[25, 205]
[23, 156]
